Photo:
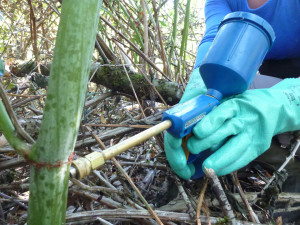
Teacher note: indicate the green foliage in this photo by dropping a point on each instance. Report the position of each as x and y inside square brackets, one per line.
[184, 39]
[224, 221]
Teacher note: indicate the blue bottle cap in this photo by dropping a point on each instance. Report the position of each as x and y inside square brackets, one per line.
[254, 19]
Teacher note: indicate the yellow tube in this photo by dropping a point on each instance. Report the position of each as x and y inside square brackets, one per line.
[84, 165]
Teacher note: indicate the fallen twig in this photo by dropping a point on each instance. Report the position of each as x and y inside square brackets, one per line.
[118, 125]
[99, 198]
[149, 165]
[190, 209]
[97, 99]
[21, 103]
[15, 186]
[126, 213]
[253, 216]
[291, 156]
[217, 188]
[106, 182]
[102, 221]
[95, 188]
[12, 163]
[13, 200]
[26, 96]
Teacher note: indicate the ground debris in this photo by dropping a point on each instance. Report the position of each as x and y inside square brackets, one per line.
[106, 196]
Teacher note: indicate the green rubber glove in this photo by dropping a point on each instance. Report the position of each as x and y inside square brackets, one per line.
[173, 149]
[249, 121]
[195, 87]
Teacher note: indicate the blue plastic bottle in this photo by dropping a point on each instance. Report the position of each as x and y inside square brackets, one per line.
[241, 44]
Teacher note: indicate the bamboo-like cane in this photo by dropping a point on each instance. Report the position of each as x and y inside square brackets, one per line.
[83, 166]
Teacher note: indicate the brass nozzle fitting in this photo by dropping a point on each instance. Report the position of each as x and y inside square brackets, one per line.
[83, 166]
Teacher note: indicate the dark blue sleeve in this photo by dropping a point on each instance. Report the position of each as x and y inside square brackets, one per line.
[214, 10]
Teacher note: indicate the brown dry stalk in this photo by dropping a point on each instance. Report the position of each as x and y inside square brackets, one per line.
[33, 35]
[136, 49]
[190, 209]
[118, 125]
[23, 102]
[94, 188]
[146, 39]
[132, 87]
[13, 116]
[199, 206]
[146, 78]
[25, 96]
[253, 216]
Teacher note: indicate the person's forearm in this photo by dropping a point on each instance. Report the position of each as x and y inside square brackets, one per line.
[196, 85]
[201, 53]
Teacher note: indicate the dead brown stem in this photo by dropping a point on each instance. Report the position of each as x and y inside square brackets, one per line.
[253, 216]
[119, 125]
[190, 209]
[132, 87]
[138, 51]
[199, 206]
[33, 35]
[146, 78]
[13, 117]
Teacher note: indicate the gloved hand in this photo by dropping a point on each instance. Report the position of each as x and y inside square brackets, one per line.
[173, 149]
[249, 120]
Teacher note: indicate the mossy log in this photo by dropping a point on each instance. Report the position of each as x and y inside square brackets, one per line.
[22, 68]
[114, 78]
